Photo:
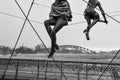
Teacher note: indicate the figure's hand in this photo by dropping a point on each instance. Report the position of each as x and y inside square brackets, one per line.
[50, 16]
[106, 21]
[69, 19]
[71, 16]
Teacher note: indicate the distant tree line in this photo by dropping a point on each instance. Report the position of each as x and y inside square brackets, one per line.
[37, 49]
[22, 49]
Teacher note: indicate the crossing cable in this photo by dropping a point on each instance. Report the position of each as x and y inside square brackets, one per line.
[17, 41]
[85, 21]
[113, 12]
[19, 17]
[38, 4]
[118, 50]
[39, 37]
[109, 64]
[68, 24]
[102, 12]
[77, 13]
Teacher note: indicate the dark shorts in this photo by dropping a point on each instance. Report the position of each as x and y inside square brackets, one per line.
[92, 14]
[54, 20]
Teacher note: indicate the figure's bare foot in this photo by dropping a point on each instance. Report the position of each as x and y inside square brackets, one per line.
[87, 35]
[51, 53]
[56, 46]
[85, 30]
[106, 21]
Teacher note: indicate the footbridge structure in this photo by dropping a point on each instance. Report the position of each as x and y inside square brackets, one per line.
[77, 48]
[47, 69]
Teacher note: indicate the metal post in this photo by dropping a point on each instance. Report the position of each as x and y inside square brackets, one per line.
[101, 68]
[61, 71]
[115, 75]
[38, 71]
[86, 72]
[36, 32]
[17, 40]
[78, 72]
[16, 70]
[46, 70]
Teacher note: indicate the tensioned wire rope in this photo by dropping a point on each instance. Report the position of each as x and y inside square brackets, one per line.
[109, 64]
[49, 7]
[43, 5]
[17, 41]
[103, 12]
[81, 14]
[117, 51]
[115, 15]
[38, 4]
[20, 35]
[40, 38]
[85, 21]
[42, 23]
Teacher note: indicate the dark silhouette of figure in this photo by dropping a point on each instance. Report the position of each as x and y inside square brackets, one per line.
[91, 14]
[58, 17]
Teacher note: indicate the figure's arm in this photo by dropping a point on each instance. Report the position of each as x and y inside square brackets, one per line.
[103, 13]
[70, 10]
[51, 12]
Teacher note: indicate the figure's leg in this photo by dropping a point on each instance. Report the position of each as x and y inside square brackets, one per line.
[47, 24]
[91, 15]
[86, 31]
[89, 27]
[88, 22]
[93, 23]
[59, 24]
[52, 48]
[101, 21]
[96, 18]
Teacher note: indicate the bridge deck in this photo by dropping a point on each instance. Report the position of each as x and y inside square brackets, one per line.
[45, 68]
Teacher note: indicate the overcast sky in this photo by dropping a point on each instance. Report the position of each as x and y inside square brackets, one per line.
[103, 37]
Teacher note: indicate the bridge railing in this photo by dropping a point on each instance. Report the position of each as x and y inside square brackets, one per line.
[39, 69]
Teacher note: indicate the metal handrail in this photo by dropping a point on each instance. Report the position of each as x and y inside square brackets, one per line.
[68, 61]
[65, 65]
